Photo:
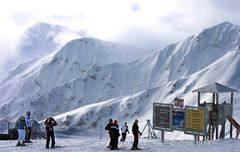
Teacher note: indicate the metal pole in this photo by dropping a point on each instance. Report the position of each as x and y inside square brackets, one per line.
[100, 132]
[231, 128]
[198, 98]
[148, 133]
[213, 125]
[217, 116]
[213, 98]
[162, 140]
[195, 139]
[155, 136]
[148, 121]
[8, 128]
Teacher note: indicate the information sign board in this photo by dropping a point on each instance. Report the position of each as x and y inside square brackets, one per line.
[195, 121]
[162, 116]
[178, 119]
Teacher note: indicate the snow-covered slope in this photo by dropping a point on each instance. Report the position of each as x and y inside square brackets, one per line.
[199, 51]
[139, 105]
[34, 83]
[102, 79]
[87, 143]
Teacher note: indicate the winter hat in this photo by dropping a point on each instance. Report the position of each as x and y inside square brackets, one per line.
[28, 112]
[110, 120]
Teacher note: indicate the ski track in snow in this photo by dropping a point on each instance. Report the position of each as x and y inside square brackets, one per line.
[95, 144]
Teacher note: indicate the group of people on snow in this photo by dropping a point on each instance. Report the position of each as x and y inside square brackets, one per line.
[24, 128]
[113, 130]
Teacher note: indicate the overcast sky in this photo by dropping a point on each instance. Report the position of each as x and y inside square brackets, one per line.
[144, 23]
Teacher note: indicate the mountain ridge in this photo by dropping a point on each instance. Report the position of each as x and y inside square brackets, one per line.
[171, 72]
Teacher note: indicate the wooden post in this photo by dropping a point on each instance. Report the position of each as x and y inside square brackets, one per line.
[213, 127]
[209, 131]
[8, 128]
[162, 140]
[217, 116]
[223, 130]
[231, 128]
[198, 99]
[213, 98]
[195, 139]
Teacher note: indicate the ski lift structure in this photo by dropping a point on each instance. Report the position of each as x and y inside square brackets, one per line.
[218, 111]
[201, 120]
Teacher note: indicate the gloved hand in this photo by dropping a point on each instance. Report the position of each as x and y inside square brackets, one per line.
[140, 134]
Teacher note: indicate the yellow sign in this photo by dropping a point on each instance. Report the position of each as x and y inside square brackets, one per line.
[195, 120]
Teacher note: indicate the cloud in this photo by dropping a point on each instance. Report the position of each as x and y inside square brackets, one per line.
[9, 32]
[227, 5]
[135, 7]
[144, 23]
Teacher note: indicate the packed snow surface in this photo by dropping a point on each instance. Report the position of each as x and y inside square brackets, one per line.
[95, 144]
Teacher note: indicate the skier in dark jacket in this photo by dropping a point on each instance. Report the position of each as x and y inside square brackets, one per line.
[108, 127]
[136, 132]
[114, 131]
[50, 123]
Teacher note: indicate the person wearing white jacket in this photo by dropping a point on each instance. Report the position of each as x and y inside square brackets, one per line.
[29, 127]
[124, 130]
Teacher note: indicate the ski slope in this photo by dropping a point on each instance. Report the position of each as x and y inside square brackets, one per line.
[95, 144]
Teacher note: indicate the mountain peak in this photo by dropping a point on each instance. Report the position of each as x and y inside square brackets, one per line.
[40, 24]
[100, 51]
[221, 31]
[225, 23]
[219, 27]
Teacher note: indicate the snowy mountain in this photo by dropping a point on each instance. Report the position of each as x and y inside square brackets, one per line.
[89, 80]
[37, 80]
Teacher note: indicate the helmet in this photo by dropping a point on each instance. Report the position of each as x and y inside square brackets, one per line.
[28, 112]
[110, 120]
[136, 121]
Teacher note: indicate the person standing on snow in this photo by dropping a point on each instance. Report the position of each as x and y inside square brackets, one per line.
[108, 127]
[50, 123]
[21, 125]
[29, 127]
[114, 131]
[124, 130]
[136, 132]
